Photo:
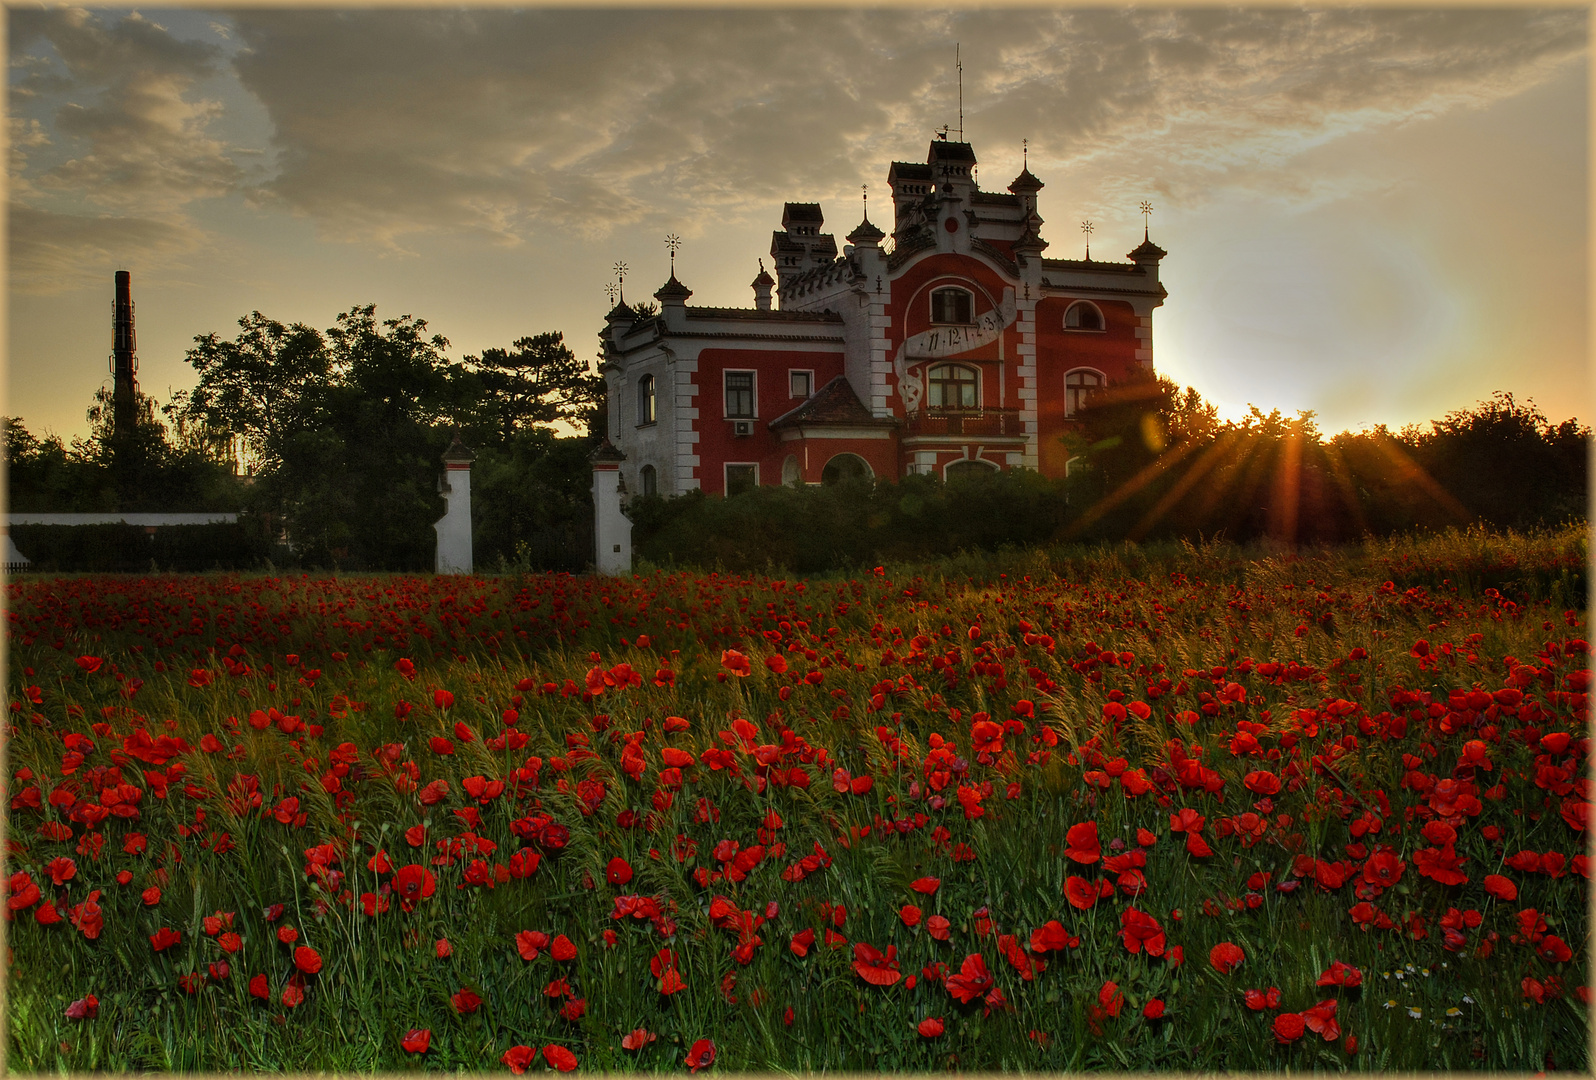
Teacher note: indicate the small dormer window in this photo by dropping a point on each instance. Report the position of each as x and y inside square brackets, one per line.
[1083, 316]
[952, 306]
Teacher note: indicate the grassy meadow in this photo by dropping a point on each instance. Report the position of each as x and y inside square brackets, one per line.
[1121, 808]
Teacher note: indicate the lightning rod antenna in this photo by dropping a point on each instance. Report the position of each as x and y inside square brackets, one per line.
[958, 66]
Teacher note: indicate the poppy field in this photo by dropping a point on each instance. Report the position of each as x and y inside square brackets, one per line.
[1182, 808]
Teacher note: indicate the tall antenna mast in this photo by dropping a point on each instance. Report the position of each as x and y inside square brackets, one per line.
[959, 67]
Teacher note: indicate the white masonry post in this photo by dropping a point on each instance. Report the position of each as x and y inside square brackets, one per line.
[612, 529]
[454, 528]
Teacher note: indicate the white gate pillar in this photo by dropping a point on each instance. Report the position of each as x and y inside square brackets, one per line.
[454, 528]
[612, 529]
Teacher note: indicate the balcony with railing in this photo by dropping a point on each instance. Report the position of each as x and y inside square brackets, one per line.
[990, 423]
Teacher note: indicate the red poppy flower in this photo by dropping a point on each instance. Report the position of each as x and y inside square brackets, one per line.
[287, 935]
[619, 871]
[1111, 999]
[1225, 957]
[1259, 1000]
[413, 883]
[972, 981]
[417, 1040]
[465, 1001]
[910, 915]
[637, 1039]
[931, 1027]
[1289, 1027]
[1321, 1020]
[572, 1010]
[529, 942]
[164, 938]
[926, 885]
[294, 992]
[735, 662]
[442, 699]
[801, 941]
[1500, 887]
[562, 948]
[1139, 930]
[517, 1058]
[702, 1055]
[1341, 974]
[939, 927]
[84, 1008]
[1081, 843]
[557, 988]
[1154, 1009]
[874, 967]
[258, 987]
[1052, 937]
[1081, 893]
[307, 960]
[90, 664]
[1441, 865]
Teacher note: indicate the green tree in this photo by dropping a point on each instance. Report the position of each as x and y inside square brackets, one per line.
[538, 380]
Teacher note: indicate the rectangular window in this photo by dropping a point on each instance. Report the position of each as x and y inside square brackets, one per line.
[741, 478]
[740, 394]
[801, 383]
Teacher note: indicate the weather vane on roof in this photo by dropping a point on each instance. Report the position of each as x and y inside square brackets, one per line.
[1087, 227]
[1147, 210]
[673, 242]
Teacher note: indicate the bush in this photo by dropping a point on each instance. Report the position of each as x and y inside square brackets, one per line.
[121, 548]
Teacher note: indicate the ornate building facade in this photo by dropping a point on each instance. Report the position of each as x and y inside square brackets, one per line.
[958, 347]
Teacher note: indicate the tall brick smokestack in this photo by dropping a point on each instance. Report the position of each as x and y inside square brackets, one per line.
[123, 363]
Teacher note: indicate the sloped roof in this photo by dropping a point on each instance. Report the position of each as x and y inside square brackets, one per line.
[834, 405]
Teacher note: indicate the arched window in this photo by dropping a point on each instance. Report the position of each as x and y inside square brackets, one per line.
[952, 306]
[790, 472]
[970, 468]
[1083, 316]
[953, 386]
[645, 400]
[1079, 386]
[649, 480]
[846, 469]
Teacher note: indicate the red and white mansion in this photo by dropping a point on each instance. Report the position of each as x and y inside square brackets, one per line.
[959, 348]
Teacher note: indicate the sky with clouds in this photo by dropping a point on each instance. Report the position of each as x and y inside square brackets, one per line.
[1375, 214]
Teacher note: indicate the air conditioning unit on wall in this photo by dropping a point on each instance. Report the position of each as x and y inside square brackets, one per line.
[742, 427]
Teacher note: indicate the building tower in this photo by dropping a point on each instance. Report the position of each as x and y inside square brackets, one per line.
[124, 363]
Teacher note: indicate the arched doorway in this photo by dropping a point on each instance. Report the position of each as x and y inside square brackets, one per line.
[846, 469]
[970, 468]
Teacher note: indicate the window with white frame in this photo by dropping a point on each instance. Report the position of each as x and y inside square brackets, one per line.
[1083, 316]
[741, 477]
[953, 386]
[800, 384]
[739, 387]
[952, 305]
[645, 400]
[1079, 386]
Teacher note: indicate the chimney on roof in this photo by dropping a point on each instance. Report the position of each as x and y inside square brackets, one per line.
[762, 286]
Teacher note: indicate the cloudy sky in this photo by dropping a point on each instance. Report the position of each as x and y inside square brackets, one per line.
[1378, 215]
